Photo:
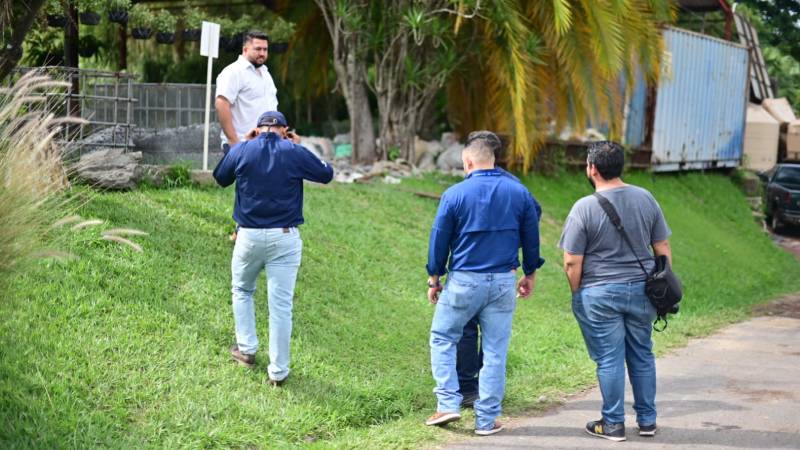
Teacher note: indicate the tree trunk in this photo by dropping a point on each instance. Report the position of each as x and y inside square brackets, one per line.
[12, 52]
[350, 74]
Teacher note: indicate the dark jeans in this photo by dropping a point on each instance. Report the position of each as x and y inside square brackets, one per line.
[469, 359]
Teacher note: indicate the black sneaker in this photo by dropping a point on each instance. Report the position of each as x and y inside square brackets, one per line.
[468, 400]
[647, 430]
[612, 432]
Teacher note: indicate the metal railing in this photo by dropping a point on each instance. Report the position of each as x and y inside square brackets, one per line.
[162, 106]
[80, 98]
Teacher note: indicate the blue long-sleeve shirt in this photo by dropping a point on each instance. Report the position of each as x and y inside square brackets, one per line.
[481, 224]
[269, 173]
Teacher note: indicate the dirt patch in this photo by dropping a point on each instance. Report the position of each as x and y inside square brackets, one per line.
[788, 238]
[787, 306]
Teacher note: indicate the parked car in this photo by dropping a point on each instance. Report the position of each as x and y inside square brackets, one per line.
[782, 195]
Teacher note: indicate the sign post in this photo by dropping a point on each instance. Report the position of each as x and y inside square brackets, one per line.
[209, 46]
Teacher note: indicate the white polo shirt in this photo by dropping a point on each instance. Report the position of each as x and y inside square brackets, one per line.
[250, 91]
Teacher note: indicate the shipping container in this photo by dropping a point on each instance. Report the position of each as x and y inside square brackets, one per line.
[695, 117]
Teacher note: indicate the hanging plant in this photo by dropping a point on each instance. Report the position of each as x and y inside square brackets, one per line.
[192, 23]
[118, 10]
[88, 11]
[164, 24]
[227, 33]
[280, 34]
[54, 11]
[140, 18]
[88, 46]
[241, 26]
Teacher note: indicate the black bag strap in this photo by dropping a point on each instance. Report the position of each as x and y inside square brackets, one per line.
[611, 212]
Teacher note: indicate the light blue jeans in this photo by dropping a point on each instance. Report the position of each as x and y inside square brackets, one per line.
[616, 322]
[280, 253]
[492, 298]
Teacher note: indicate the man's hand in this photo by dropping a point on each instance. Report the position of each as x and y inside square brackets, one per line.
[294, 137]
[525, 285]
[433, 294]
[252, 134]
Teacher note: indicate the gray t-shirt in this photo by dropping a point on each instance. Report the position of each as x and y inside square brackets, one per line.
[606, 257]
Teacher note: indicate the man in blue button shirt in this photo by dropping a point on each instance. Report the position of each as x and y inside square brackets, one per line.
[480, 226]
[269, 171]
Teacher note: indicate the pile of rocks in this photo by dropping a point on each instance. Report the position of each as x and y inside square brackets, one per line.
[110, 168]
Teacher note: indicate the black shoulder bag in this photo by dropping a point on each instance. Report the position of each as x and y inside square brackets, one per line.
[662, 287]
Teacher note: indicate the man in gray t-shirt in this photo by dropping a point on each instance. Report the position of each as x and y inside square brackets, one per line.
[607, 283]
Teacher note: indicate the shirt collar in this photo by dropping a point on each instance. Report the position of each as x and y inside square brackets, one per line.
[484, 173]
[248, 65]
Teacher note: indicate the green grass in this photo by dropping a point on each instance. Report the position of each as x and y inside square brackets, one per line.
[122, 349]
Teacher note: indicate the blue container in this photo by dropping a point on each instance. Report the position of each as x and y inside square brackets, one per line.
[700, 104]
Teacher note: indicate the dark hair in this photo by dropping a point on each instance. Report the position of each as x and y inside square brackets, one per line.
[485, 143]
[255, 34]
[608, 157]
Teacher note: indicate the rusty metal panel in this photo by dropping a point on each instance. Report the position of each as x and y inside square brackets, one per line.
[701, 102]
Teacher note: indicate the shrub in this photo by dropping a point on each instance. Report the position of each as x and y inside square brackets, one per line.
[281, 31]
[90, 6]
[178, 175]
[140, 16]
[165, 22]
[119, 5]
[193, 18]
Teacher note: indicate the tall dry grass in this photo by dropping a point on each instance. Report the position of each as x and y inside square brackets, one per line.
[32, 174]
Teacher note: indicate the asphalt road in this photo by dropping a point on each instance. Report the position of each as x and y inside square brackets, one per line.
[738, 389]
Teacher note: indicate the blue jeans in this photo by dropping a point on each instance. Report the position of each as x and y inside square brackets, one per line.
[490, 297]
[279, 252]
[616, 322]
[469, 359]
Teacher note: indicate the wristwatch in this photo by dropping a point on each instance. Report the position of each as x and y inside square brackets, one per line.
[432, 285]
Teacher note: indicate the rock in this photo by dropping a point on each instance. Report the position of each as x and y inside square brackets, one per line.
[448, 139]
[343, 138]
[109, 168]
[435, 148]
[427, 163]
[423, 148]
[203, 177]
[108, 136]
[324, 146]
[451, 158]
[182, 144]
[388, 179]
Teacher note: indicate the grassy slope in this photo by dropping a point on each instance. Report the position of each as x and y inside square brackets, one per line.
[122, 349]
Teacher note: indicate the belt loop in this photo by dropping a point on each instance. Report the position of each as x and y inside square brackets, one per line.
[285, 230]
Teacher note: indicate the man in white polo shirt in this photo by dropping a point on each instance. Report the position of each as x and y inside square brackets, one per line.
[245, 90]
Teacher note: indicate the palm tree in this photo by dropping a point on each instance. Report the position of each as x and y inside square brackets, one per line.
[545, 64]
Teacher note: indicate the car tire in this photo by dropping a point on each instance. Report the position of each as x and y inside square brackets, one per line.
[775, 223]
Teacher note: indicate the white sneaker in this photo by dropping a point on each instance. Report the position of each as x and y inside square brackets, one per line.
[495, 429]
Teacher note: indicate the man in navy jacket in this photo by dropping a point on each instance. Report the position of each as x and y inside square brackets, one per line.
[480, 226]
[269, 171]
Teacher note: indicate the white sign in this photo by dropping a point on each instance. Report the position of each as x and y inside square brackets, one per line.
[209, 46]
[209, 40]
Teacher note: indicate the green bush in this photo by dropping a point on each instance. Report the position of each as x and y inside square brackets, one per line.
[178, 175]
[90, 6]
[165, 22]
[54, 8]
[119, 5]
[281, 30]
[140, 16]
[193, 18]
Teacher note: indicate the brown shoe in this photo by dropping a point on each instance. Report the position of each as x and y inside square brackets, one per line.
[241, 358]
[277, 383]
[441, 418]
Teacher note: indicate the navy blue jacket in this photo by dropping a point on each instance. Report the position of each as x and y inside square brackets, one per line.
[481, 224]
[269, 173]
